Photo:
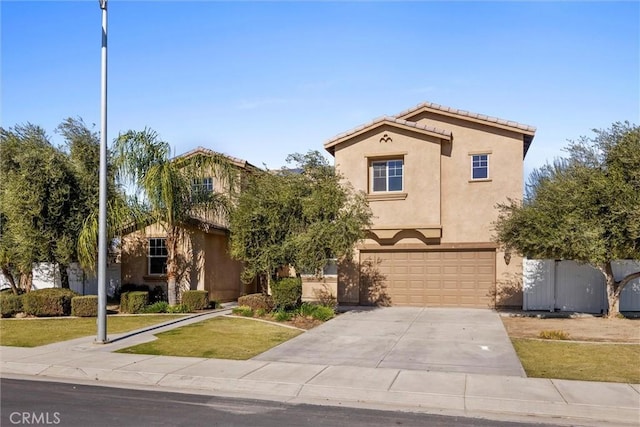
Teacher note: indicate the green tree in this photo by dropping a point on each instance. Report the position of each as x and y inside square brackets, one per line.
[585, 207]
[38, 198]
[297, 217]
[164, 184]
[49, 199]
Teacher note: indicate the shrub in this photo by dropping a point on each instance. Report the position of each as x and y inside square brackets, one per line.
[156, 307]
[323, 313]
[286, 292]
[10, 304]
[134, 301]
[553, 335]
[306, 309]
[86, 306]
[195, 300]
[243, 310]
[48, 302]
[157, 295]
[178, 308]
[257, 301]
[283, 316]
[325, 297]
[260, 312]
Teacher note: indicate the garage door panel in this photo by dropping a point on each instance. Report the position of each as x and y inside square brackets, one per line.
[461, 278]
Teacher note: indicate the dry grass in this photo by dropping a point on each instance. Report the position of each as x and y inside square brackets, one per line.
[36, 332]
[579, 329]
[611, 351]
[220, 338]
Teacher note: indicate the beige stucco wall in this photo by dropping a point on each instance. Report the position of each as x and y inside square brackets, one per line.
[204, 263]
[421, 154]
[439, 189]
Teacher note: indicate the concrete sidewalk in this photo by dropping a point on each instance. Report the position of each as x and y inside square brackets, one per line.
[559, 402]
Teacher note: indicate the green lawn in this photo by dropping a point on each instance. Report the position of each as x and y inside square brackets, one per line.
[220, 338]
[36, 332]
[579, 361]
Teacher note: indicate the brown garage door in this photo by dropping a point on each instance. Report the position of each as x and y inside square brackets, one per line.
[460, 278]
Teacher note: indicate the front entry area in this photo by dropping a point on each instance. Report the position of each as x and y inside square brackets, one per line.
[443, 278]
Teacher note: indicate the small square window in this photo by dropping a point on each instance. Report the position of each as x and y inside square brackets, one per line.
[387, 175]
[480, 166]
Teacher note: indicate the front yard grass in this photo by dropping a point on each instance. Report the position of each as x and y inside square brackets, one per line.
[579, 361]
[36, 332]
[220, 338]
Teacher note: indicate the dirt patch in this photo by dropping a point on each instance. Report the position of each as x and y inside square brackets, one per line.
[579, 329]
[303, 322]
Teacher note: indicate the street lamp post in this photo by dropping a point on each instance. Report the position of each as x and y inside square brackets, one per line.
[102, 223]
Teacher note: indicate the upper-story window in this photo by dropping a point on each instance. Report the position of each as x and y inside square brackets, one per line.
[202, 185]
[480, 166]
[387, 175]
[157, 256]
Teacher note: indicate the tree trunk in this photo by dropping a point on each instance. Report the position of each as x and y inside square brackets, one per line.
[9, 278]
[172, 289]
[26, 280]
[64, 276]
[614, 289]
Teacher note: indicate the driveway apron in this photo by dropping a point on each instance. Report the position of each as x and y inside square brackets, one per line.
[426, 339]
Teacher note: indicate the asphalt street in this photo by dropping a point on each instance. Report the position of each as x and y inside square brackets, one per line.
[74, 405]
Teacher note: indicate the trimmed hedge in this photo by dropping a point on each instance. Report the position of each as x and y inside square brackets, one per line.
[195, 300]
[156, 294]
[286, 293]
[48, 302]
[86, 306]
[257, 301]
[10, 304]
[133, 302]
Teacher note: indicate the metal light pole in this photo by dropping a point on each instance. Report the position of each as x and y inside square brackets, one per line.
[102, 223]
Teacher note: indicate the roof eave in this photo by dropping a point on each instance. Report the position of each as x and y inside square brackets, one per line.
[331, 144]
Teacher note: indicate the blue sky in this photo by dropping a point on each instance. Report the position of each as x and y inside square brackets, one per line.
[260, 80]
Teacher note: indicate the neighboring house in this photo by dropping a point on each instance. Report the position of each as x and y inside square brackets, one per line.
[433, 176]
[205, 263]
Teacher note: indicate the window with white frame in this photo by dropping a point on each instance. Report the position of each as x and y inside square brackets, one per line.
[157, 256]
[387, 175]
[202, 185]
[480, 166]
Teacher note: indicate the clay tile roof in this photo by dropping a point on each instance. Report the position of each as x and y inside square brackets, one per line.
[208, 151]
[387, 119]
[431, 106]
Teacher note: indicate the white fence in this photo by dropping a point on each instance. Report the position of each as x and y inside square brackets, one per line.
[569, 286]
[47, 275]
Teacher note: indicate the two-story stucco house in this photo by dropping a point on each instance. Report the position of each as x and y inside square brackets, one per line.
[433, 176]
[203, 254]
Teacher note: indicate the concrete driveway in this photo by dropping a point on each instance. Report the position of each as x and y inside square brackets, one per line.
[425, 339]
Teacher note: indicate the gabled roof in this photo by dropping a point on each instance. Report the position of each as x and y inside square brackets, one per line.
[390, 121]
[208, 152]
[481, 118]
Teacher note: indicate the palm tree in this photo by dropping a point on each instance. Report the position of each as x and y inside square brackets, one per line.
[165, 186]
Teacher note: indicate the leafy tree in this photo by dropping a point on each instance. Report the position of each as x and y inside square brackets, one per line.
[37, 200]
[296, 217]
[585, 207]
[49, 198]
[144, 161]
